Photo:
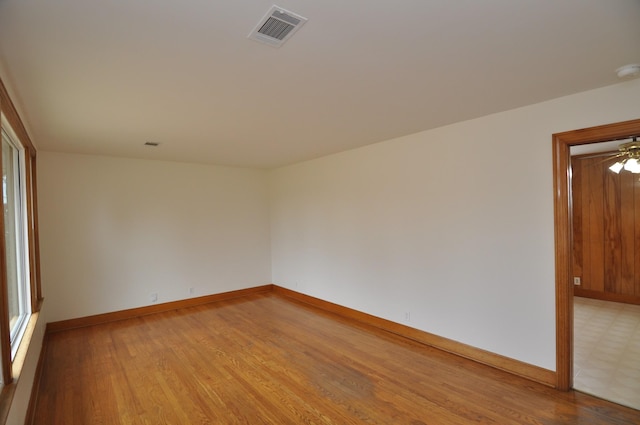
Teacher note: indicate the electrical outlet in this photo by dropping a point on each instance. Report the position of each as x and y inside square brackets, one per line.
[576, 280]
[192, 291]
[154, 297]
[407, 316]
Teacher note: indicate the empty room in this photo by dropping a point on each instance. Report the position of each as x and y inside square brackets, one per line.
[320, 212]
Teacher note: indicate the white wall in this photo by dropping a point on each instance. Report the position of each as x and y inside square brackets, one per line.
[449, 230]
[114, 230]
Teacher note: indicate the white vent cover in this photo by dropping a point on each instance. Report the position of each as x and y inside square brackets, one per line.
[277, 26]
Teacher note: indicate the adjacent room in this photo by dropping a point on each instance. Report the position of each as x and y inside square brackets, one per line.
[319, 212]
[605, 270]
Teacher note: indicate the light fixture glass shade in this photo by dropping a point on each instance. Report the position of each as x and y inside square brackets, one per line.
[632, 165]
[628, 157]
[616, 167]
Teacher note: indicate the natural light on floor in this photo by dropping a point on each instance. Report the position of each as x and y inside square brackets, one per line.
[607, 350]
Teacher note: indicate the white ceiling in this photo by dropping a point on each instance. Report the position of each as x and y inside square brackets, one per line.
[105, 76]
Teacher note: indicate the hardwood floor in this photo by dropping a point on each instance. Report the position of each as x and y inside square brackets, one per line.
[265, 359]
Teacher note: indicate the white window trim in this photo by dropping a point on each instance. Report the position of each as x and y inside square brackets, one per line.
[24, 289]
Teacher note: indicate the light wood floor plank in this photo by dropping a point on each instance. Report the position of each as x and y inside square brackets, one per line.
[264, 359]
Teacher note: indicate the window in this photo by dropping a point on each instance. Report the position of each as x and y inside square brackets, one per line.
[20, 286]
[15, 235]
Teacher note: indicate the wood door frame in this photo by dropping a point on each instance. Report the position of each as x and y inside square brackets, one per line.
[562, 143]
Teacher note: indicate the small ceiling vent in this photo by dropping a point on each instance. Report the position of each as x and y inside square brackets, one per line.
[277, 26]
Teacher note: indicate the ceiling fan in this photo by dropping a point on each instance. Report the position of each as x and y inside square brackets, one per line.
[628, 157]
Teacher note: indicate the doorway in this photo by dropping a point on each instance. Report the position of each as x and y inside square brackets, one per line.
[562, 143]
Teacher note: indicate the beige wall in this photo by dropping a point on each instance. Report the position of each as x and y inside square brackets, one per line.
[113, 231]
[449, 230]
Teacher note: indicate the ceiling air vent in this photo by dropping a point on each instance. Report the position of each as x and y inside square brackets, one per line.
[277, 26]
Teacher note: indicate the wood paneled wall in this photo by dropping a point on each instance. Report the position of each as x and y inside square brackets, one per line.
[606, 230]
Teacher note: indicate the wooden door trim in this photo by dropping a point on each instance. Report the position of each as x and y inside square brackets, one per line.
[562, 143]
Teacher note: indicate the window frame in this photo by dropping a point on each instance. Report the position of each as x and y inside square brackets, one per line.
[32, 260]
[21, 240]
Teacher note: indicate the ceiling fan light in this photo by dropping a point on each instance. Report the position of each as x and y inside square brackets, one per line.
[632, 165]
[617, 167]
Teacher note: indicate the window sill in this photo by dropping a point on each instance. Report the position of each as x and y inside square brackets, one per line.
[8, 390]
